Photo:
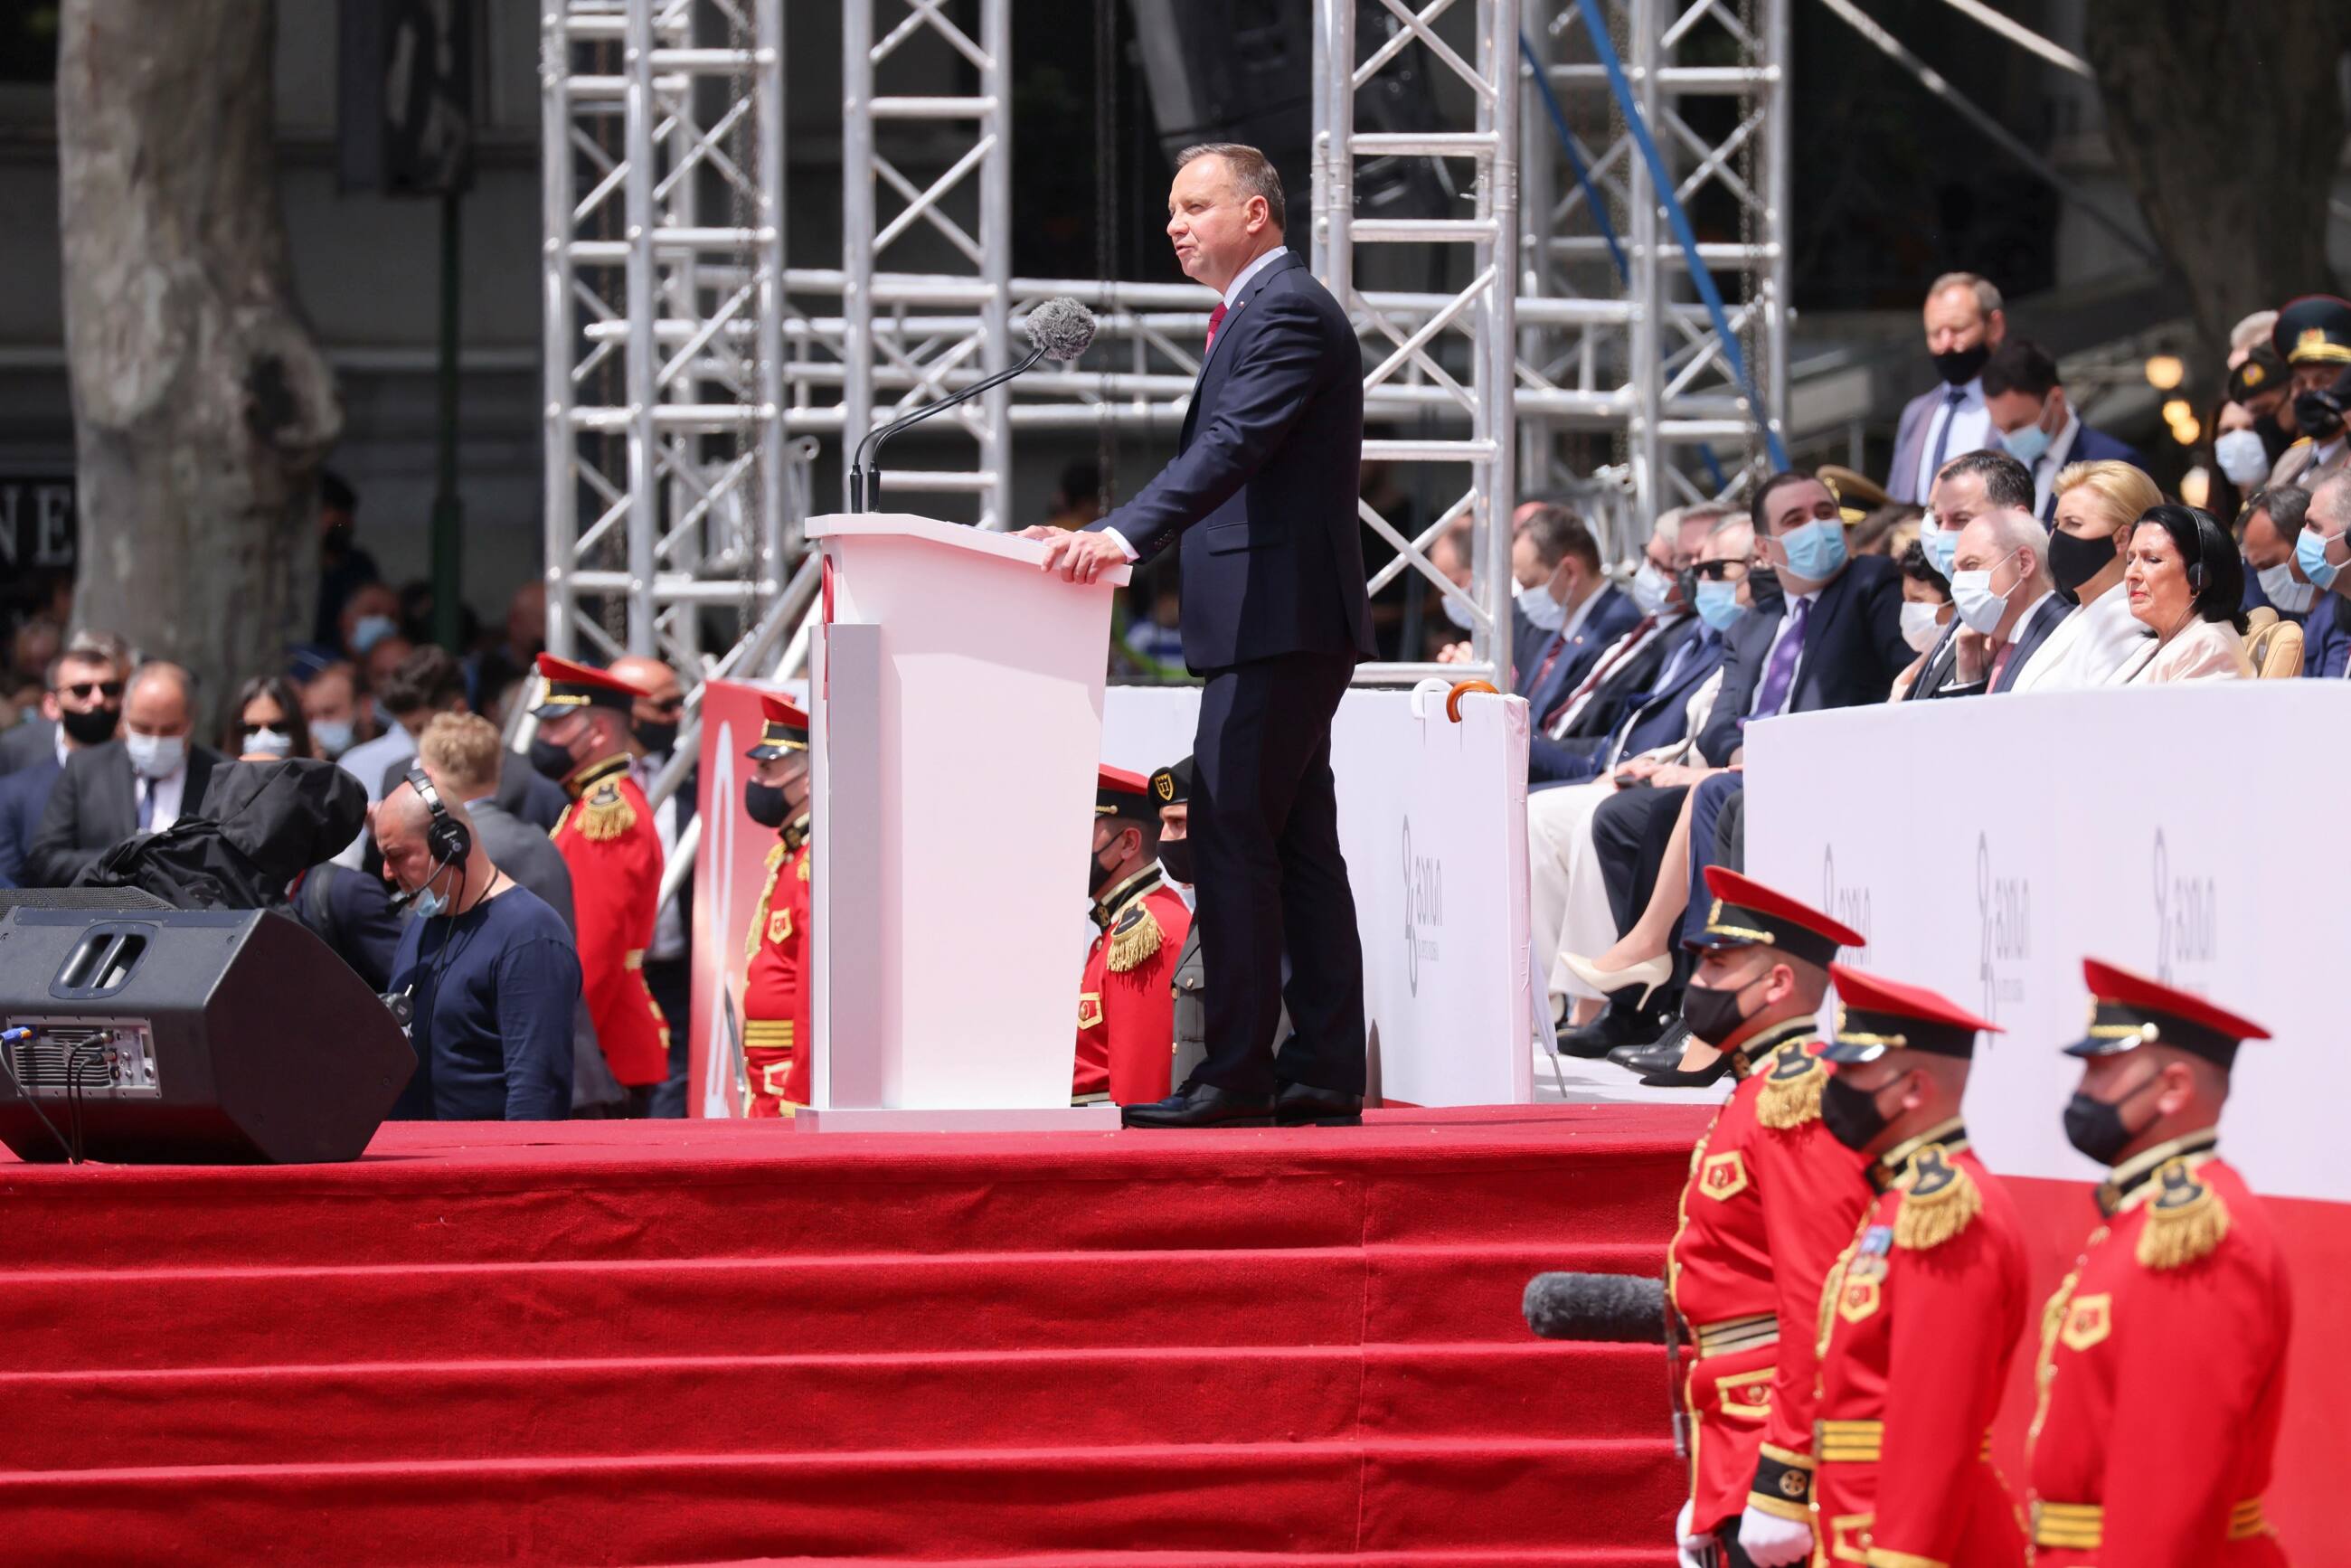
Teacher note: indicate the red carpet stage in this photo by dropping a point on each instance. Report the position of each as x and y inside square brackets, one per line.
[612, 1343]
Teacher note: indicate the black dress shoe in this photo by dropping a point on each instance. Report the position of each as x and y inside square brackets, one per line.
[1303, 1105]
[1617, 1027]
[1202, 1106]
[1698, 1078]
[1665, 1053]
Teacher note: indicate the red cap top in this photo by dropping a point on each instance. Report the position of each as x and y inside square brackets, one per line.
[1745, 911]
[575, 685]
[786, 729]
[782, 710]
[1874, 1016]
[1119, 793]
[1858, 990]
[2121, 988]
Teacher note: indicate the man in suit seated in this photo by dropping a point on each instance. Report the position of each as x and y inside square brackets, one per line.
[2037, 425]
[1965, 488]
[1569, 742]
[1566, 612]
[1834, 641]
[141, 783]
[1964, 324]
[82, 708]
[2005, 599]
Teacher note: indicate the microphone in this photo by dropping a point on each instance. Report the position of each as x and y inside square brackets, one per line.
[1059, 329]
[1615, 1309]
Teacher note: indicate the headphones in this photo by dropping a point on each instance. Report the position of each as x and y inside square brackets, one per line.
[2206, 528]
[450, 840]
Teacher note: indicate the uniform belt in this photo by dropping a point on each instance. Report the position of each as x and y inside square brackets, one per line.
[1737, 1333]
[1861, 1442]
[767, 1032]
[2082, 1526]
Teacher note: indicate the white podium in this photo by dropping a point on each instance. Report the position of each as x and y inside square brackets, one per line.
[954, 731]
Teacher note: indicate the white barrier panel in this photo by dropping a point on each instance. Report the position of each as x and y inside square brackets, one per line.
[1985, 846]
[1433, 819]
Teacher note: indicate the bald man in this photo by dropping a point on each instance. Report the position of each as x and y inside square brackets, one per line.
[489, 971]
[654, 721]
[2008, 602]
[141, 782]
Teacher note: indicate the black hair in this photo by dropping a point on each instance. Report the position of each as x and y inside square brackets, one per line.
[2216, 573]
[335, 493]
[1919, 568]
[2020, 364]
[2007, 482]
[2287, 505]
[279, 690]
[1759, 510]
[429, 677]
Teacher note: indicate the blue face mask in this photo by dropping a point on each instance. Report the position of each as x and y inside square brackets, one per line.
[2026, 444]
[333, 735]
[1816, 551]
[2310, 554]
[429, 903]
[372, 629]
[1718, 604]
[1942, 546]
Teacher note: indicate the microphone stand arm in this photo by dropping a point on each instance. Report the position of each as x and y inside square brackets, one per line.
[865, 484]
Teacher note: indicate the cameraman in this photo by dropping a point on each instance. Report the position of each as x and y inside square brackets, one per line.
[489, 969]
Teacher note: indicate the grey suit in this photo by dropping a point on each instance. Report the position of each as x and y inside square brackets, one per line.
[95, 806]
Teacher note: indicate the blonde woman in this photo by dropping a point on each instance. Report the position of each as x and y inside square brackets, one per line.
[2097, 503]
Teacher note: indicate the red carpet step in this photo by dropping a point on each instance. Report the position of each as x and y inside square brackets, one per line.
[655, 1344]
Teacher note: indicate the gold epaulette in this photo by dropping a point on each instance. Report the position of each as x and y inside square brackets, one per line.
[2185, 1219]
[1939, 1200]
[1134, 936]
[804, 868]
[1791, 1095]
[775, 856]
[767, 898]
[605, 813]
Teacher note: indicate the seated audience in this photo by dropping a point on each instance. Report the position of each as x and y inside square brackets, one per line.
[141, 783]
[488, 970]
[2007, 603]
[2185, 582]
[1566, 612]
[1927, 612]
[1966, 487]
[2096, 505]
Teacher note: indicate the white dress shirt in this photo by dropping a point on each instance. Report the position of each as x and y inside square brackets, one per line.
[168, 793]
[1232, 292]
[1970, 424]
[669, 925]
[2087, 647]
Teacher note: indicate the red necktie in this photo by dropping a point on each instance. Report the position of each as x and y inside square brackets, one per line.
[1601, 670]
[1216, 320]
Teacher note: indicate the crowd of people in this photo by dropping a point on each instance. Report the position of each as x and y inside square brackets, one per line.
[2045, 558]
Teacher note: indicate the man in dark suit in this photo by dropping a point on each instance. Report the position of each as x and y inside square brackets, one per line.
[2037, 425]
[2007, 603]
[1262, 499]
[1967, 487]
[1964, 324]
[141, 783]
[84, 704]
[1836, 642]
[1557, 561]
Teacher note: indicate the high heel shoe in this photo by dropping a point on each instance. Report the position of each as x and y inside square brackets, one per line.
[1648, 974]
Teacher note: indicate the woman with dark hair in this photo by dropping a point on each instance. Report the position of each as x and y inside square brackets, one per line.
[269, 724]
[2186, 585]
[1926, 611]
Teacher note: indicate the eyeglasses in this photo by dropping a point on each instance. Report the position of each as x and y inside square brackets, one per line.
[666, 704]
[88, 689]
[1720, 570]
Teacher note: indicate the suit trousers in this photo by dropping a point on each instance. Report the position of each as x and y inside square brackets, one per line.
[1567, 897]
[1629, 834]
[1715, 795]
[1265, 836]
[671, 981]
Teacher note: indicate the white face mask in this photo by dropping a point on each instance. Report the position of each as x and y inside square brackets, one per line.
[2242, 458]
[1979, 608]
[156, 756]
[1541, 611]
[1457, 612]
[1919, 627]
[1649, 587]
[2280, 588]
[268, 743]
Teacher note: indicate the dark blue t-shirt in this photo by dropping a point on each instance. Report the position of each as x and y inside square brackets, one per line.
[492, 1021]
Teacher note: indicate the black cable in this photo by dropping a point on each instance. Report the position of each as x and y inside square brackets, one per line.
[24, 1036]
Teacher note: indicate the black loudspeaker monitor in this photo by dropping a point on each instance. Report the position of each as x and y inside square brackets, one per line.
[198, 1037]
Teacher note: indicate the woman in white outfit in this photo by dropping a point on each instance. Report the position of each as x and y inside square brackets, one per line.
[2097, 503]
[2186, 583]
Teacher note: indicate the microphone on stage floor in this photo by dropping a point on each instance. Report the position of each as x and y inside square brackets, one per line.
[1061, 328]
[1616, 1309]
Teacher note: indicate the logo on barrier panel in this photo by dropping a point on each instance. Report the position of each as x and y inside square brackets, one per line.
[1424, 908]
[2004, 909]
[2187, 921]
[1849, 905]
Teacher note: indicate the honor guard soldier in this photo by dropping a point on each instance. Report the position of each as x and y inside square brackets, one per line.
[1921, 1314]
[776, 990]
[2312, 336]
[1171, 792]
[2163, 1354]
[1770, 1197]
[1126, 1002]
[610, 845]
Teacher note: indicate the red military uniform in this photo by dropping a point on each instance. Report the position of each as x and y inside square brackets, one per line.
[613, 852]
[2163, 1354]
[776, 989]
[1917, 1322]
[1770, 1197]
[1127, 1001]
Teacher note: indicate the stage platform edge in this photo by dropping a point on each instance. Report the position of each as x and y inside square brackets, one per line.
[1043, 1119]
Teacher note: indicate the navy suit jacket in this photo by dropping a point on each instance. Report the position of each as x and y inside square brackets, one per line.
[2326, 637]
[1647, 715]
[2029, 638]
[28, 744]
[1665, 718]
[1853, 650]
[22, 795]
[1613, 614]
[1262, 492]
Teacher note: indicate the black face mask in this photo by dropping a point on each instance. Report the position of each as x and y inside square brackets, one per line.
[1686, 584]
[2096, 1126]
[1097, 873]
[1957, 367]
[765, 804]
[1763, 588]
[2074, 561]
[652, 736]
[553, 761]
[1851, 1114]
[1175, 856]
[94, 727]
[2318, 414]
[1713, 1014]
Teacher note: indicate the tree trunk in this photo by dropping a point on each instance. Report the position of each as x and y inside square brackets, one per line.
[2227, 120]
[201, 405]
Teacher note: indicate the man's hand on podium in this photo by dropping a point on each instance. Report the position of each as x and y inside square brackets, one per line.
[1078, 557]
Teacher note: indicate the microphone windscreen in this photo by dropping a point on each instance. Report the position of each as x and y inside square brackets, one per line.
[1621, 1309]
[1063, 327]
